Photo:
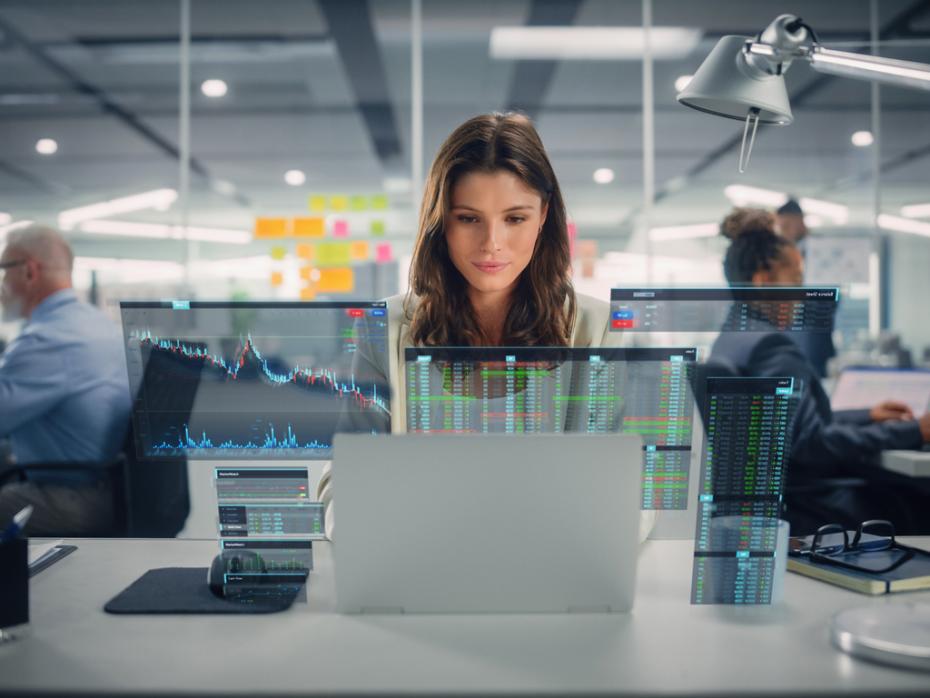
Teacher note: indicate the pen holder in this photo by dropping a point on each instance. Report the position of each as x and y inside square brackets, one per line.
[14, 588]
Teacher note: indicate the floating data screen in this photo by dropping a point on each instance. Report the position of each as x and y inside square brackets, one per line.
[254, 380]
[272, 555]
[275, 520]
[748, 423]
[526, 390]
[748, 309]
[250, 484]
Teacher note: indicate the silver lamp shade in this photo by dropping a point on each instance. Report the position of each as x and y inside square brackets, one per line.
[726, 86]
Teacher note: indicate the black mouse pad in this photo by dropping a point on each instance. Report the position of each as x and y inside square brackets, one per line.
[185, 590]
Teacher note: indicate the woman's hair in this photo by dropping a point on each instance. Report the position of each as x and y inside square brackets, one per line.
[542, 309]
[754, 244]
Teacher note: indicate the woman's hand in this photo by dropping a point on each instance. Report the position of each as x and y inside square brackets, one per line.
[890, 410]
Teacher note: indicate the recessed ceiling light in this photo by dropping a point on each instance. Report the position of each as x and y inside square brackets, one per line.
[295, 177]
[862, 139]
[46, 146]
[681, 82]
[223, 186]
[603, 175]
[214, 88]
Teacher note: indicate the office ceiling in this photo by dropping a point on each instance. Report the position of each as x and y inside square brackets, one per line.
[324, 86]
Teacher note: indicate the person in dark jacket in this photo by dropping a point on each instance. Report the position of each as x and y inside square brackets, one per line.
[823, 446]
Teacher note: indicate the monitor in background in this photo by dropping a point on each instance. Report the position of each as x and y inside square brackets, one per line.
[859, 388]
[538, 390]
[271, 380]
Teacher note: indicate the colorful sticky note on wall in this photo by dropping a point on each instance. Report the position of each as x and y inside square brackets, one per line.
[339, 203]
[379, 202]
[277, 278]
[358, 251]
[308, 293]
[339, 280]
[305, 250]
[383, 252]
[309, 227]
[358, 203]
[333, 254]
[317, 203]
[377, 227]
[340, 228]
[278, 252]
[266, 228]
[310, 273]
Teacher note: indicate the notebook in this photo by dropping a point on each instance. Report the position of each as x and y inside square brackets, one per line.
[913, 575]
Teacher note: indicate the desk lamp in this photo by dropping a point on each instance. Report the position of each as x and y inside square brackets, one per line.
[743, 78]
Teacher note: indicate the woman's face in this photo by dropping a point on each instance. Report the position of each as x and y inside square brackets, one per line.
[491, 229]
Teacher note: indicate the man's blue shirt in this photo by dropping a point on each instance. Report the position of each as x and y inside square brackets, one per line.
[64, 391]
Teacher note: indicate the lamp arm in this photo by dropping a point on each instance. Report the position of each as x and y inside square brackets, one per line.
[865, 67]
[858, 66]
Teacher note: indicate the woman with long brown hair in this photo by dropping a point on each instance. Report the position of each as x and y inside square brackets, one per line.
[491, 264]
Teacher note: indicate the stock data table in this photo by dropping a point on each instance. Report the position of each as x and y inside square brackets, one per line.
[665, 647]
[749, 309]
[520, 390]
[740, 490]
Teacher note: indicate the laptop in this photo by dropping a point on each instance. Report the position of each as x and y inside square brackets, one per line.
[862, 387]
[491, 523]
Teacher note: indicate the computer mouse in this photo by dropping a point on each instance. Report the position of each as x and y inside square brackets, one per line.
[231, 562]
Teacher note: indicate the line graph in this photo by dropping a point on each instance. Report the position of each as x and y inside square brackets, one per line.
[299, 375]
[254, 380]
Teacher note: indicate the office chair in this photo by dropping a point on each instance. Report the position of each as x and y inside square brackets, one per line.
[156, 493]
[150, 497]
[113, 473]
[157, 488]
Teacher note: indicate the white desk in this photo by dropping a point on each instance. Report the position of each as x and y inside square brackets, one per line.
[665, 647]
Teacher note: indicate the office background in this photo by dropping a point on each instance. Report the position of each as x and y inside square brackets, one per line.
[280, 146]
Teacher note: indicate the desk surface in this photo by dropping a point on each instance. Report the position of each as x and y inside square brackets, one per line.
[665, 646]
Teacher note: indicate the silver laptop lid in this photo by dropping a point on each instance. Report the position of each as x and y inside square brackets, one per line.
[452, 523]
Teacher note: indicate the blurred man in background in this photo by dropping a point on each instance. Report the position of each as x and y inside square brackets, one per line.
[64, 392]
[817, 346]
[789, 222]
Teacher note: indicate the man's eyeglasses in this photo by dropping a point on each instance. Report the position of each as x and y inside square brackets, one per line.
[831, 546]
[12, 263]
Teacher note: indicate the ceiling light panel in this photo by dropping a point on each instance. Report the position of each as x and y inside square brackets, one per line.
[591, 43]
